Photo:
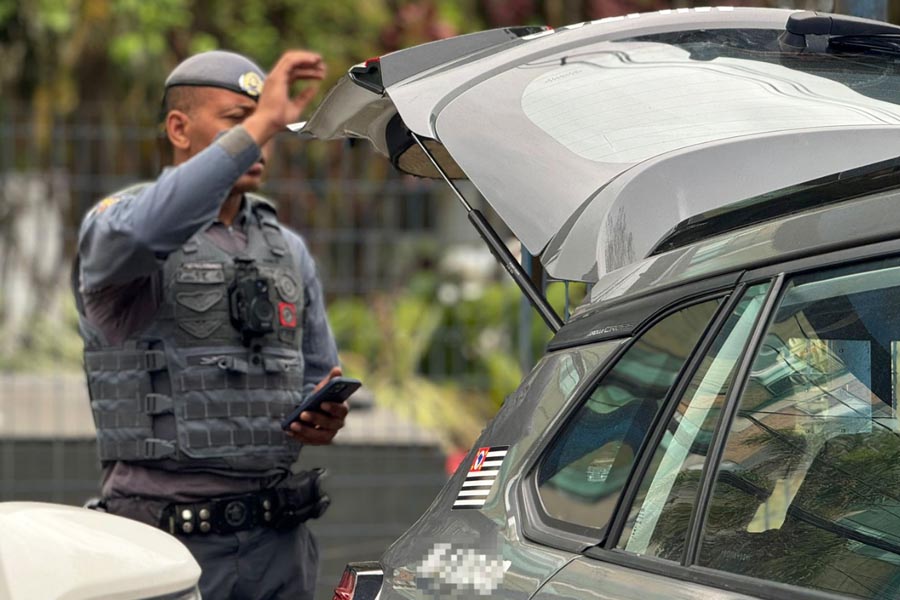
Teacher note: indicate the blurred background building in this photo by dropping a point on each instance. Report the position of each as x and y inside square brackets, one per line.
[421, 312]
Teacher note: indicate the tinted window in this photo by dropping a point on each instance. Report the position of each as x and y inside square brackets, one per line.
[660, 516]
[808, 492]
[866, 71]
[585, 468]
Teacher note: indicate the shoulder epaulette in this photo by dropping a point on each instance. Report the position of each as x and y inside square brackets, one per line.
[116, 197]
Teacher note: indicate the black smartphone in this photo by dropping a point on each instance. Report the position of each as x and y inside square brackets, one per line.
[336, 390]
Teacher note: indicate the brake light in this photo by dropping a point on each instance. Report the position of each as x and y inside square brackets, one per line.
[373, 61]
[347, 586]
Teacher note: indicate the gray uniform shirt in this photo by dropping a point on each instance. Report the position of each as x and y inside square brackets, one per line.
[123, 244]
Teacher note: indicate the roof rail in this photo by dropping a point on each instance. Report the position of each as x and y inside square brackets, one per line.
[817, 193]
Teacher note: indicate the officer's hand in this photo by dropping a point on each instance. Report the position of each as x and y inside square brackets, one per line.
[315, 428]
[276, 107]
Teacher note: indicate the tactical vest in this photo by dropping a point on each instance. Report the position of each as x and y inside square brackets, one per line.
[206, 384]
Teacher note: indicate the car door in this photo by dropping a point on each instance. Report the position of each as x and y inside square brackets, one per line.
[690, 414]
[470, 541]
[775, 473]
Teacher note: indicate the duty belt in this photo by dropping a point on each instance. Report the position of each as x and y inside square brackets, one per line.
[278, 508]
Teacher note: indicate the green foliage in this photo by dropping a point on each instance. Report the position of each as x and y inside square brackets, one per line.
[52, 344]
[141, 42]
[447, 365]
[117, 53]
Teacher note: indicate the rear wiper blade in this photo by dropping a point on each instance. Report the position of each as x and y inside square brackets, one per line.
[884, 44]
[805, 27]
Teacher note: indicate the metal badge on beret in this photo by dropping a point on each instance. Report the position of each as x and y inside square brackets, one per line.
[251, 83]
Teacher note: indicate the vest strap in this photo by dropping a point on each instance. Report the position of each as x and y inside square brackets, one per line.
[125, 360]
[235, 437]
[121, 420]
[129, 413]
[223, 380]
[190, 247]
[157, 404]
[148, 449]
[237, 408]
[271, 231]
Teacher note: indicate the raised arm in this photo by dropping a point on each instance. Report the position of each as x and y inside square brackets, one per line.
[125, 236]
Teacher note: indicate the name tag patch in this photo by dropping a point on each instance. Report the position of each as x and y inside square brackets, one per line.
[200, 273]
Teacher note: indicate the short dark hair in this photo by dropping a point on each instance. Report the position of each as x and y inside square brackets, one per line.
[179, 97]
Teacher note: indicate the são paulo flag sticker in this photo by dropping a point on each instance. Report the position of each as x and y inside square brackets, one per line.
[480, 479]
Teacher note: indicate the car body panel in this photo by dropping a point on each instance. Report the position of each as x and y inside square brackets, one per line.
[436, 556]
[601, 194]
[493, 535]
[598, 213]
[624, 220]
[595, 193]
[589, 579]
[55, 551]
[614, 319]
[851, 223]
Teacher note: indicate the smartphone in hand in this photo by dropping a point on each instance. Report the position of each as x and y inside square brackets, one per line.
[336, 390]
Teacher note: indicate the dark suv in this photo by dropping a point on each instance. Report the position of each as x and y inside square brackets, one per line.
[719, 418]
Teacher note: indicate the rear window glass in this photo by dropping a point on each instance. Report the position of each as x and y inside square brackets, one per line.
[629, 100]
[661, 514]
[585, 468]
[808, 491]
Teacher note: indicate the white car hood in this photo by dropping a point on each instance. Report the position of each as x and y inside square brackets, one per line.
[68, 553]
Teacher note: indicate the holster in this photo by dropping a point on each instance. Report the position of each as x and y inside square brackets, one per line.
[301, 498]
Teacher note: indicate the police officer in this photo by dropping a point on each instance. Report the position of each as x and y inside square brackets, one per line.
[203, 323]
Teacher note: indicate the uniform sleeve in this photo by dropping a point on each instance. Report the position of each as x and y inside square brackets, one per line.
[318, 346]
[125, 236]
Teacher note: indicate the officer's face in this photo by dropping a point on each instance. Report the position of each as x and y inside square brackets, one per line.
[212, 111]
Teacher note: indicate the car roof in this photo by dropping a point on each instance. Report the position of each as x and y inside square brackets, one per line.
[496, 106]
[858, 210]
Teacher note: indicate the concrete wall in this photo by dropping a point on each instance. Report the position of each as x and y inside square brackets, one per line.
[377, 490]
[384, 472]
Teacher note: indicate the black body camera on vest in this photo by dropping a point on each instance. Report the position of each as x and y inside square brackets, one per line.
[252, 313]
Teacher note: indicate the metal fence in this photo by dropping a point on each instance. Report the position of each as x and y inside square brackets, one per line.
[369, 228]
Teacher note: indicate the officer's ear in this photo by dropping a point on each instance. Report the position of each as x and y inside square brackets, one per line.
[176, 129]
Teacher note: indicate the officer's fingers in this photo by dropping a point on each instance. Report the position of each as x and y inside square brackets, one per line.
[309, 76]
[304, 428]
[280, 75]
[336, 409]
[335, 372]
[321, 421]
[306, 75]
[308, 71]
[313, 437]
[297, 58]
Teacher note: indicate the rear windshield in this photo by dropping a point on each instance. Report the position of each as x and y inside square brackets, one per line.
[870, 72]
[629, 100]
